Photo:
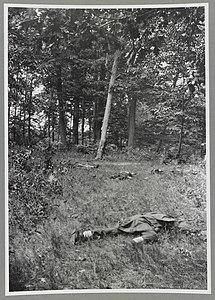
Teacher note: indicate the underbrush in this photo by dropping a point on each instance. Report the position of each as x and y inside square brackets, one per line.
[51, 197]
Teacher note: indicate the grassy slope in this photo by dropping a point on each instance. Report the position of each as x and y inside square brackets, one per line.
[50, 260]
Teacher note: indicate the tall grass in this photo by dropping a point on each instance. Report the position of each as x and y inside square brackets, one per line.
[43, 255]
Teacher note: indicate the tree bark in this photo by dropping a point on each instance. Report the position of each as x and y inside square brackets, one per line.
[182, 129]
[62, 122]
[52, 117]
[90, 129]
[14, 125]
[23, 127]
[9, 109]
[204, 126]
[203, 143]
[100, 116]
[29, 114]
[24, 115]
[108, 106]
[19, 132]
[99, 105]
[162, 136]
[49, 128]
[75, 121]
[95, 121]
[53, 127]
[131, 121]
[82, 123]
[175, 79]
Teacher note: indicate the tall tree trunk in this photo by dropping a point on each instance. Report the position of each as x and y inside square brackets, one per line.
[76, 121]
[49, 128]
[14, 126]
[131, 121]
[10, 129]
[29, 127]
[99, 105]
[204, 126]
[25, 108]
[90, 129]
[62, 121]
[100, 116]
[15, 111]
[108, 106]
[82, 123]
[19, 133]
[98, 109]
[162, 136]
[23, 127]
[101, 102]
[51, 117]
[203, 138]
[53, 127]
[95, 121]
[70, 126]
[24, 117]
[29, 114]
[175, 79]
[182, 129]
[9, 111]
[96, 129]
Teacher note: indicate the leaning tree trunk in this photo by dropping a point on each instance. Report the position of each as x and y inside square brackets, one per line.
[131, 121]
[108, 107]
[62, 122]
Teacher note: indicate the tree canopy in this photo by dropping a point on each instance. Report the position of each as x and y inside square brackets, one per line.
[60, 66]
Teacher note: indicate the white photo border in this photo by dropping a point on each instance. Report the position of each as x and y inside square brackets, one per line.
[99, 291]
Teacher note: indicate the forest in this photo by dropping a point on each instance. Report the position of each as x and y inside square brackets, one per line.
[106, 119]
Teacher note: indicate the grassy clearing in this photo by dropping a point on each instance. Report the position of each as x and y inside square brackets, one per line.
[48, 259]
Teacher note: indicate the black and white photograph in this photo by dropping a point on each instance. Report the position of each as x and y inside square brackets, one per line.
[107, 157]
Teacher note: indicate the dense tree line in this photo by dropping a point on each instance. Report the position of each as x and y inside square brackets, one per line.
[129, 77]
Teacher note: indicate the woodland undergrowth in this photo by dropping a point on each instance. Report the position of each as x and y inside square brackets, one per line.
[51, 196]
